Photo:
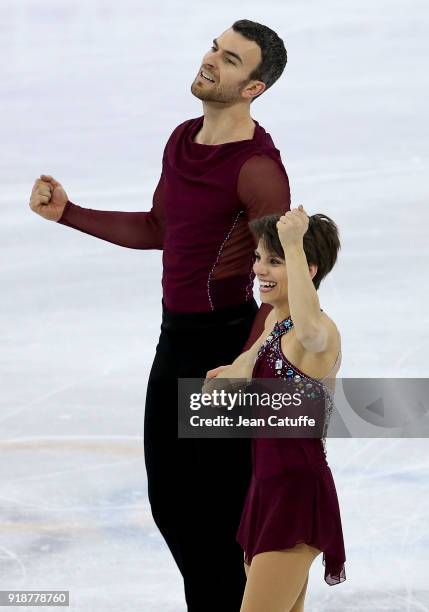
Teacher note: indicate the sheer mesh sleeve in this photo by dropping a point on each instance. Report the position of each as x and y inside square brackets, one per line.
[263, 188]
[135, 230]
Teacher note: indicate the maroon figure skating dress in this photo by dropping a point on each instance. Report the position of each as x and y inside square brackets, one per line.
[292, 497]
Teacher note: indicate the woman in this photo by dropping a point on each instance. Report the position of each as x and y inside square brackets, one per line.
[291, 513]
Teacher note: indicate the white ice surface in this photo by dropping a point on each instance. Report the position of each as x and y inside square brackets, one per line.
[90, 93]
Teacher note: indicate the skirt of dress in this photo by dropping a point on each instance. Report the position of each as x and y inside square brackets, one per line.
[292, 499]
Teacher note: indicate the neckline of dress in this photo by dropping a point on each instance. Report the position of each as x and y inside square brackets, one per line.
[286, 323]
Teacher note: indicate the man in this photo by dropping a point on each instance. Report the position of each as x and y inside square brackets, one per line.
[219, 172]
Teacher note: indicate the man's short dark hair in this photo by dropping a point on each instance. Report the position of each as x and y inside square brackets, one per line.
[321, 241]
[273, 51]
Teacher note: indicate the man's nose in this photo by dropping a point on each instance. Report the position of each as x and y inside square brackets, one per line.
[209, 65]
[210, 59]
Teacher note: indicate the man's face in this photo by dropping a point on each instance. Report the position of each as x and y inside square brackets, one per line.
[229, 63]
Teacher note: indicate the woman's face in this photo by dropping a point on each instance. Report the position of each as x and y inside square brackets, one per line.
[270, 270]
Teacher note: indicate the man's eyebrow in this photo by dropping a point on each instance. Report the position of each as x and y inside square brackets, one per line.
[229, 52]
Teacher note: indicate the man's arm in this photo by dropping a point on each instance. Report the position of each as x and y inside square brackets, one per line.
[135, 230]
[263, 188]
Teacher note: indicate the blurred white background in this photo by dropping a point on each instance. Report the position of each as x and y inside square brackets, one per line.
[90, 93]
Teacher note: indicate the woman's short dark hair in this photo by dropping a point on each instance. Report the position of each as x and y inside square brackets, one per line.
[274, 55]
[321, 241]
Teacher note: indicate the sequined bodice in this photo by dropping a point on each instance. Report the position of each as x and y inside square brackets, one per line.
[270, 362]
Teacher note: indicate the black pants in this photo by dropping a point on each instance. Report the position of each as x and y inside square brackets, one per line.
[197, 487]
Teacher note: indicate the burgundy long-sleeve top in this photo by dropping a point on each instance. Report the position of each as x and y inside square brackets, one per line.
[204, 199]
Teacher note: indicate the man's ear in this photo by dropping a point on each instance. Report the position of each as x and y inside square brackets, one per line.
[255, 89]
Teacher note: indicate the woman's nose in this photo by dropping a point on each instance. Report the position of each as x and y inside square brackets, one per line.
[259, 268]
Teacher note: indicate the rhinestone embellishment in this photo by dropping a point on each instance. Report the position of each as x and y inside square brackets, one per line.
[271, 353]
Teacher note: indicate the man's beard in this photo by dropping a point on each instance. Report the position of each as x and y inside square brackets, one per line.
[217, 93]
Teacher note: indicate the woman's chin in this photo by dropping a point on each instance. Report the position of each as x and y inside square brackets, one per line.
[265, 298]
